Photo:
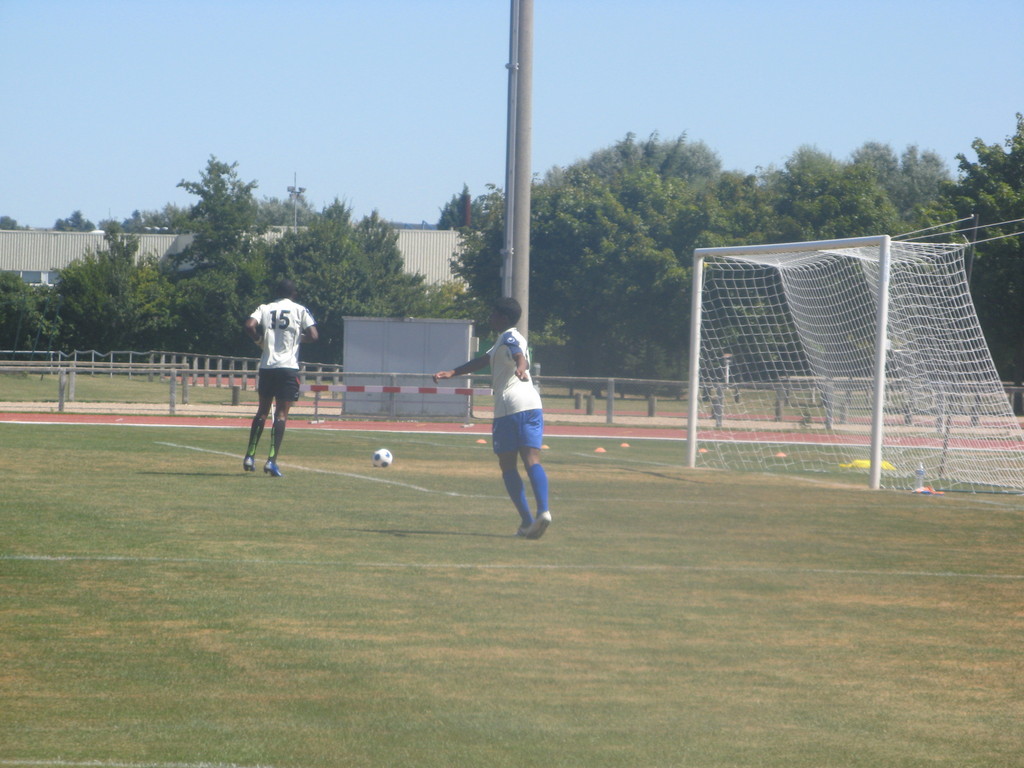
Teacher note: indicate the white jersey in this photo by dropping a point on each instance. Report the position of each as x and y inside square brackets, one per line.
[282, 323]
[511, 394]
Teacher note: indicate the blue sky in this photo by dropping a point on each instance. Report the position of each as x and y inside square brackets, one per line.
[393, 105]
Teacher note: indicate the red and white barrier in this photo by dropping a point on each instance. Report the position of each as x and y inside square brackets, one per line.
[385, 389]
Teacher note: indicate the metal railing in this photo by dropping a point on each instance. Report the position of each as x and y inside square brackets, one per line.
[202, 370]
[570, 394]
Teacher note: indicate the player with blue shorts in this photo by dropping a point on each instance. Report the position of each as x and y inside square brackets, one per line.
[518, 428]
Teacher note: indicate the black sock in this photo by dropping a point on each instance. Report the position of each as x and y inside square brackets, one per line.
[255, 431]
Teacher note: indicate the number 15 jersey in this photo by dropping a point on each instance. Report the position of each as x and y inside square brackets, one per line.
[282, 323]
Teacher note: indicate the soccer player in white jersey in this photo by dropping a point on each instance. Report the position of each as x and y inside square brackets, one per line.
[518, 427]
[278, 328]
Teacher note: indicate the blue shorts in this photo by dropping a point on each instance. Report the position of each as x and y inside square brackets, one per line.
[518, 430]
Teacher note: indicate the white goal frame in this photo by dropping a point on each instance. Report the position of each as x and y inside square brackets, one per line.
[876, 254]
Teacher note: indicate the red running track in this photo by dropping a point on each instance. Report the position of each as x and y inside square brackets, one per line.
[143, 420]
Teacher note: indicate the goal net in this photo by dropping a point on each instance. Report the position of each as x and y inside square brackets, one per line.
[860, 357]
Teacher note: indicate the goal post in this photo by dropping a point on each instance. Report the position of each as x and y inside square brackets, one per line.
[851, 356]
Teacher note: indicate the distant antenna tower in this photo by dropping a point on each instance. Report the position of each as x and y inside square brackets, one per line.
[295, 192]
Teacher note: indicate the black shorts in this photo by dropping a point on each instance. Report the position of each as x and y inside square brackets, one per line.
[279, 383]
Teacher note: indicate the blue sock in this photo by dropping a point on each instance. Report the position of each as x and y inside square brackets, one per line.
[539, 481]
[517, 492]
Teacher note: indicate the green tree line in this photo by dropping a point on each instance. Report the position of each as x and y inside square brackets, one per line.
[612, 239]
[119, 299]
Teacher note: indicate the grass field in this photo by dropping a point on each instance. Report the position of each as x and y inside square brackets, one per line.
[15, 387]
[162, 608]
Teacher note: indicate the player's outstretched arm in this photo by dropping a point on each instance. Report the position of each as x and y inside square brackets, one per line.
[473, 365]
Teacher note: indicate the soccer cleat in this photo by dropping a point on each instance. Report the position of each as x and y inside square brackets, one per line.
[540, 525]
[271, 468]
[249, 464]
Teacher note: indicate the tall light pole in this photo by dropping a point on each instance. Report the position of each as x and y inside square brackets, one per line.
[518, 176]
[295, 192]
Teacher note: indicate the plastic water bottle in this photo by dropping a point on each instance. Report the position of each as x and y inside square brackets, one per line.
[919, 474]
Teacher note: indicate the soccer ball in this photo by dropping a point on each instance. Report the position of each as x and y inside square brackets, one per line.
[382, 458]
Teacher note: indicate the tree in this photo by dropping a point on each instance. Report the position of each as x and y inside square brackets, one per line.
[607, 290]
[609, 276]
[612, 241]
[694, 162]
[210, 306]
[171, 218]
[460, 212]
[481, 260]
[993, 188]
[345, 268]
[224, 221]
[276, 212]
[738, 209]
[27, 314]
[816, 197]
[880, 158]
[76, 222]
[113, 299]
[447, 300]
[911, 181]
[922, 175]
[222, 275]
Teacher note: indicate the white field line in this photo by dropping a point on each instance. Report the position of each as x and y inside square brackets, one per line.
[378, 479]
[766, 570]
[335, 472]
[168, 425]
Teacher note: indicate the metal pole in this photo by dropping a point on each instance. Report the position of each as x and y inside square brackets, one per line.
[510, 150]
[694, 372]
[969, 258]
[295, 192]
[881, 345]
[524, 175]
[516, 269]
